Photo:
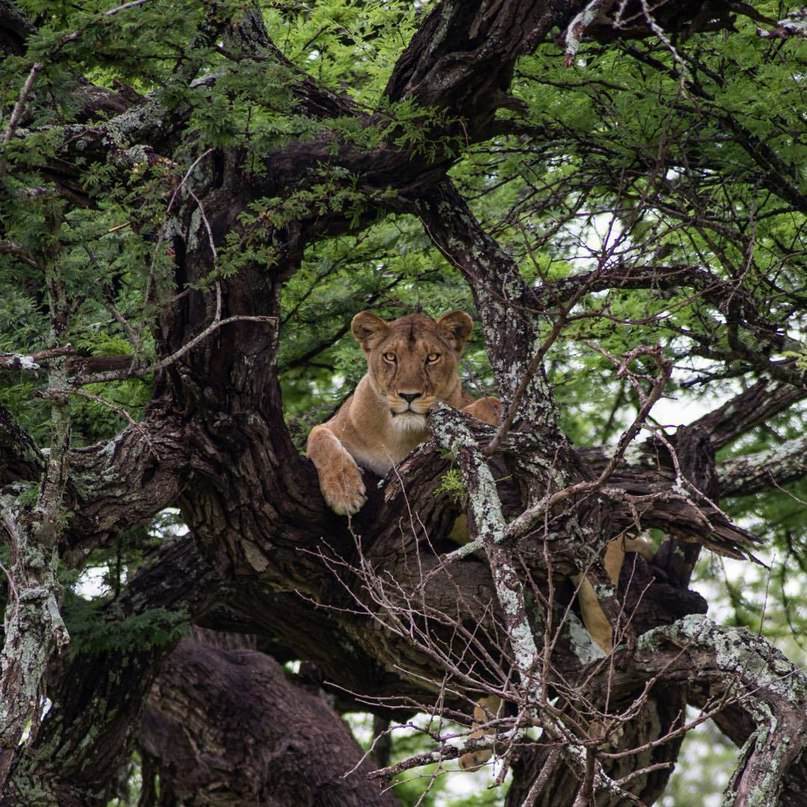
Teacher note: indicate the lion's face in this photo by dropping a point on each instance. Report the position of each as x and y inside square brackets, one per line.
[412, 361]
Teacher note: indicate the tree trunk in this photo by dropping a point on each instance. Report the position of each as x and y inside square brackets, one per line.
[228, 726]
[382, 605]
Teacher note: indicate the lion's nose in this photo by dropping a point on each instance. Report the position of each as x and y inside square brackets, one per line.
[410, 396]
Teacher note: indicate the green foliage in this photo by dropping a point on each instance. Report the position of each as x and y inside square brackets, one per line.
[452, 484]
[27, 496]
[151, 629]
[617, 161]
[348, 45]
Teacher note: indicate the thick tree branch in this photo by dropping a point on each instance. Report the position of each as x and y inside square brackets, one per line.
[126, 481]
[742, 476]
[215, 441]
[500, 296]
[756, 405]
[97, 695]
[462, 57]
[758, 680]
[114, 485]
[227, 725]
[33, 625]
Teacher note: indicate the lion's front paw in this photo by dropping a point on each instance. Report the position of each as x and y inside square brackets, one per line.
[342, 486]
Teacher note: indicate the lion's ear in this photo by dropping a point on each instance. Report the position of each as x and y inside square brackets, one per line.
[457, 326]
[365, 326]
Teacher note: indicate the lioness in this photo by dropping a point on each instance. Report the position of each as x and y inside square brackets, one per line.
[411, 363]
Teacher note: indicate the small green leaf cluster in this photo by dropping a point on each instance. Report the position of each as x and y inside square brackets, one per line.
[452, 485]
[149, 630]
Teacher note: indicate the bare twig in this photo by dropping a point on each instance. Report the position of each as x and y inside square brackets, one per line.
[140, 372]
[22, 100]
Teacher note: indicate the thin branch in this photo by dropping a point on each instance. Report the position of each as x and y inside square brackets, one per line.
[22, 100]
[140, 372]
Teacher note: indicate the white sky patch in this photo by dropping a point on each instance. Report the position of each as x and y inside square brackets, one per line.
[698, 744]
[681, 411]
[91, 582]
[168, 523]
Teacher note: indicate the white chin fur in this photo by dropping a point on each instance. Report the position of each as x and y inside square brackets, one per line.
[409, 422]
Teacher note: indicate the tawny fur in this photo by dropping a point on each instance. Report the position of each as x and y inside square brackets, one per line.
[376, 427]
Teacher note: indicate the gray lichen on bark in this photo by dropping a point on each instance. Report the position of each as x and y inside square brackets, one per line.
[751, 675]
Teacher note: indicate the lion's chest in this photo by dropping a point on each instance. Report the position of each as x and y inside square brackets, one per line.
[403, 435]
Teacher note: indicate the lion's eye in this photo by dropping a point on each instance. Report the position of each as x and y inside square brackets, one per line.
[432, 358]
[390, 357]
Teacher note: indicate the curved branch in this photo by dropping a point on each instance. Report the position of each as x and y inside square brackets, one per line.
[759, 683]
[760, 402]
[123, 482]
[462, 57]
[114, 485]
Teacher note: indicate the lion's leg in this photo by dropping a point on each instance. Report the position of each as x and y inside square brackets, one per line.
[594, 617]
[641, 546]
[460, 532]
[615, 554]
[614, 558]
[340, 479]
[485, 710]
[488, 410]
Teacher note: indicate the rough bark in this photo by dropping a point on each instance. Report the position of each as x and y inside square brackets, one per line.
[767, 469]
[762, 400]
[98, 693]
[758, 683]
[229, 727]
[215, 443]
[112, 485]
